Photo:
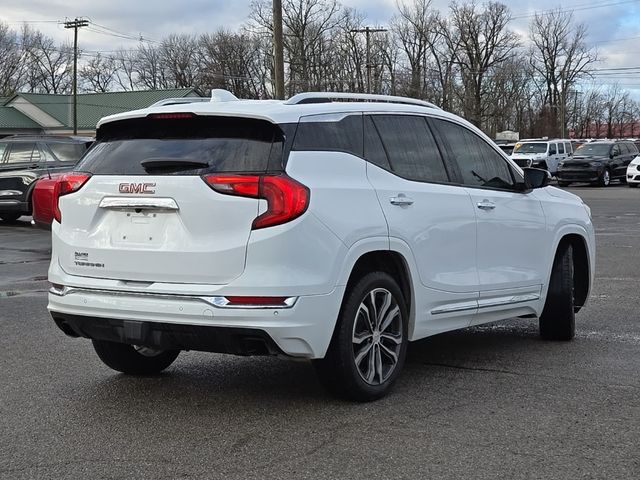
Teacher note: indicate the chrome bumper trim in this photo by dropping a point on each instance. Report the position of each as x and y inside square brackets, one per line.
[216, 301]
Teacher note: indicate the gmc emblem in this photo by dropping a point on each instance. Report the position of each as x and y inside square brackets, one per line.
[137, 188]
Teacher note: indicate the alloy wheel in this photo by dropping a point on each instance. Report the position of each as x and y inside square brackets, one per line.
[377, 336]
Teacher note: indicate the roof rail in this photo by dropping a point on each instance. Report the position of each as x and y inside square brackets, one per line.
[180, 101]
[322, 97]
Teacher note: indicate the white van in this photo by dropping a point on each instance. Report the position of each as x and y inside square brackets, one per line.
[542, 153]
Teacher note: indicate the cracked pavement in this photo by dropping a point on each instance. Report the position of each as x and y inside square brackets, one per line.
[485, 402]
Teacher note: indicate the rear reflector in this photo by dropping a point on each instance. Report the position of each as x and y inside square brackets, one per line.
[67, 183]
[286, 198]
[256, 301]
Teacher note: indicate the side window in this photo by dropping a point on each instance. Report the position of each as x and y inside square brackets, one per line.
[479, 164]
[561, 148]
[568, 148]
[552, 149]
[373, 148]
[632, 148]
[3, 148]
[411, 148]
[331, 132]
[21, 153]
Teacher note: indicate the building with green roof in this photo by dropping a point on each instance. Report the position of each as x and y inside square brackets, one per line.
[37, 113]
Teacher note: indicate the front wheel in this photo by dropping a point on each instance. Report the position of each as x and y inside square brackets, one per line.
[557, 321]
[563, 184]
[605, 178]
[369, 343]
[134, 359]
[632, 185]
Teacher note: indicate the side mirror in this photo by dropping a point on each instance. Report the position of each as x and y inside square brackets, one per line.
[536, 178]
[611, 155]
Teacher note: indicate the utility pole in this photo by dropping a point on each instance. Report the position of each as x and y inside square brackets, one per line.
[278, 47]
[368, 31]
[75, 24]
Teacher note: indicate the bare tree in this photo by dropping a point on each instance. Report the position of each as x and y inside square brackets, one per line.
[12, 66]
[98, 74]
[559, 54]
[125, 61]
[236, 62]
[485, 44]
[149, 68]
[52, 64]
[413, 28]
[179, 60]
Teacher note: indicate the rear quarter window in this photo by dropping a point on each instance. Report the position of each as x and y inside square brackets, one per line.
[67, 152]
[330, 133]
[20, 152]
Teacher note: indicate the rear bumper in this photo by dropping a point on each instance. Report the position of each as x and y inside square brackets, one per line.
[169, 336]
[193, 323]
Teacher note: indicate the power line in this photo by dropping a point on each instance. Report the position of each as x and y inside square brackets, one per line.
[571, 9]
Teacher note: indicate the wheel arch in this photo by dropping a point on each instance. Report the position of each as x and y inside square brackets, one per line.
[581, 267]
[389, 261]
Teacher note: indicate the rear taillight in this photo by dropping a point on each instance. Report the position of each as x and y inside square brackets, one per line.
[286, 198]
[67, 183]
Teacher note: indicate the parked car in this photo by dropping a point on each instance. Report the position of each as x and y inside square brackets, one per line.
[543, 154]
[23, 159]
[598, 163]
[331, 227]
[633, 172]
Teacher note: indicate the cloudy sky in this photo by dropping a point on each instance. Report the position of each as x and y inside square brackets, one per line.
[613, 25]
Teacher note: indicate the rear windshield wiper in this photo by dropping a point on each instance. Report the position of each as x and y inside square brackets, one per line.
[171, 164]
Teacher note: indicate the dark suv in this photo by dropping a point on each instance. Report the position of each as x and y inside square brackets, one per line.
[25, 158]
[597, 163]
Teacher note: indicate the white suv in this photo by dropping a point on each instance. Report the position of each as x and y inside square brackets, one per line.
[545, 154]
[331, 227]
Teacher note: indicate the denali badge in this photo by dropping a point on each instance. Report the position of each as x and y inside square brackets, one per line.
[137, 188]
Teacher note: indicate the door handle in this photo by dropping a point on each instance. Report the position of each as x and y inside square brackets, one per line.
[401, 199]
[486, 205]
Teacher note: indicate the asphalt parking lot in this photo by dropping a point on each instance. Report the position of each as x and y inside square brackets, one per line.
[487, 402]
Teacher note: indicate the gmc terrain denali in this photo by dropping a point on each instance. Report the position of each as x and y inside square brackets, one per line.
[333, 227]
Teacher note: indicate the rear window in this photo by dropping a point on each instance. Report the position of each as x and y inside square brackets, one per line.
[68, 152]
[191, 146]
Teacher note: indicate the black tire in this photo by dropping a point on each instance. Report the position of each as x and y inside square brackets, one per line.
[10, 216]
[563, 184]
[557, 321]
[339, 371]
[632, 185]
[128, 359]
[605, 178]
